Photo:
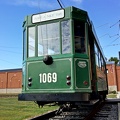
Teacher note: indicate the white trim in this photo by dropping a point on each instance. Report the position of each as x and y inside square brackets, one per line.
[48, 16]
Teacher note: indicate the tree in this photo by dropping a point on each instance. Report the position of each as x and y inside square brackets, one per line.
[114, 59]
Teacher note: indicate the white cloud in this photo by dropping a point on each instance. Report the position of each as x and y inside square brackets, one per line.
[77, 1]
[30, 3]
[41, 4]
[44, 4]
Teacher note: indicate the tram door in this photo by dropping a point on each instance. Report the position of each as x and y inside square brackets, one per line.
[82, 63]
[79, 31]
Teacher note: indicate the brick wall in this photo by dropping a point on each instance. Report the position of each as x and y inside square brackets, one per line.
[113, 76]
[3, 80]
[11, 78]
[118, 77]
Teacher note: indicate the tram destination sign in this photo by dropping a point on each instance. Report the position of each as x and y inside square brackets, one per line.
[48, 16]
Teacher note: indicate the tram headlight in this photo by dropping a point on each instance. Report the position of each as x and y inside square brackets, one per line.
[68, 78]
[29, 84]
[29, 79]
[68, 82]
[48, 60]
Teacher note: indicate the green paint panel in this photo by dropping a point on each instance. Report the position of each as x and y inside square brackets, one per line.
[82, 73]
[49, 77]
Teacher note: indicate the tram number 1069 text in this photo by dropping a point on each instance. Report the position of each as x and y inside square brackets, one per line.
[48, 77]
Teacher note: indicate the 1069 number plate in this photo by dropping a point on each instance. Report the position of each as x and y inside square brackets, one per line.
[48, 77]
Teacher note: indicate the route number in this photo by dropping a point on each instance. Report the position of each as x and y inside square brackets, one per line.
[48, 77]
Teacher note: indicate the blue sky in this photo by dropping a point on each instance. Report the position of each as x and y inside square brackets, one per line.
[104, 14]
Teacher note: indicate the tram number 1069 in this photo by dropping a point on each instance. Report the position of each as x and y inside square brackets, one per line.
[48, 77]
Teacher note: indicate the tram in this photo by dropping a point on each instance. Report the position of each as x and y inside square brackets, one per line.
[62, 58]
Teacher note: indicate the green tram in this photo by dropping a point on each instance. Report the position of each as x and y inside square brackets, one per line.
[62, 58]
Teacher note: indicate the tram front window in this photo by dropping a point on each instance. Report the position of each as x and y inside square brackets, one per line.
[79, 36]
[48, 39]
[31, 42]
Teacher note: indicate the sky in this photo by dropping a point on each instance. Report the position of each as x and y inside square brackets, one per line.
[103, 13]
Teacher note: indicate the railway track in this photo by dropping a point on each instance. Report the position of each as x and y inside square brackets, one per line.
[108, 110]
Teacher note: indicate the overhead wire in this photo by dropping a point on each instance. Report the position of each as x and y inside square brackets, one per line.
[114, 24]
[10, 62]
[59, 3]
[10, 51]
[115, 39]
[111, 45]
[62, 3]
[102, 25]
[9, 47]
[110, 36]
[7, 51]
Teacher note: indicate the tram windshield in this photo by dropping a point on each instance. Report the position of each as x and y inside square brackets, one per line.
[51, 39]
[79, 36]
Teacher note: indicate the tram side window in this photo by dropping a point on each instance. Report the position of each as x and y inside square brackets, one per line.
[31, 42]
[96, 56]
[99, 59]
[48, 39]
[103, 65]
[79, 36]
[65, 36]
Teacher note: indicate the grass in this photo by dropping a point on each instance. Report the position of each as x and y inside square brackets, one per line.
[12, 109]
[111, 95]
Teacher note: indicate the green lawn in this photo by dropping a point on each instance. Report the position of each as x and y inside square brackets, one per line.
[12, 109]
[111, 95]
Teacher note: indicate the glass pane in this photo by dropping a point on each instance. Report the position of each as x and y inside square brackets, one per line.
[24, 44]
[65, 36]
[48, 39]
[96, 55]
[80, 45]
[31, 42]
[53, 39]
[41, 36]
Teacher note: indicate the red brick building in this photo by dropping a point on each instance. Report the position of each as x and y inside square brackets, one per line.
[113, 76]
[10, 80]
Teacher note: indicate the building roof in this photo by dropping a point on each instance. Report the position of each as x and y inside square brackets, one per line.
[11, 70]
[110, 62]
